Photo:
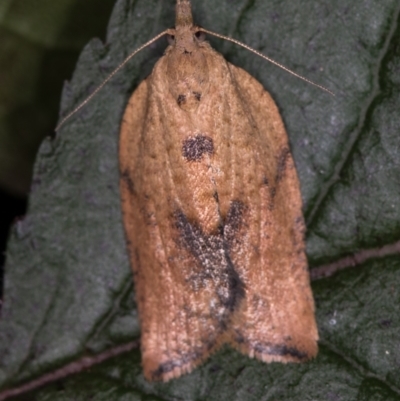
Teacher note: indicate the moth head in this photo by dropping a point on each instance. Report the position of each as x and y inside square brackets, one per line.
[187, 68]
[192, 37]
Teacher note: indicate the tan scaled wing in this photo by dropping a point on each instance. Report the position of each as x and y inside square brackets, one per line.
[183, 277]
[275, 321]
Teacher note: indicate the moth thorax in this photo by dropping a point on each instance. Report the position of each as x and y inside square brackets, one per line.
[188, 77]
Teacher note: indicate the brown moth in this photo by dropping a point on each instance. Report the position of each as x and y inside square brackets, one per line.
[212, 213]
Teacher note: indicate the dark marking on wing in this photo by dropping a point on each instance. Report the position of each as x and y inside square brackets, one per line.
[193, 148]
[170, 365]
[272, 193]
[216, 197]
[239, 338]
[233, 222]
[197, 96]
[272, 349]
[281, 164]
[181, 99]
[236, 288]
[125, 176]
[281, 350]
[214, 265]
[184, 359]
[234, 218]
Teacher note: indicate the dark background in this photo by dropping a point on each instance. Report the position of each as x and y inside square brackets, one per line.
[40, 44]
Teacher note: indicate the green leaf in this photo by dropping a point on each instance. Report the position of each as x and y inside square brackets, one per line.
[68, 283]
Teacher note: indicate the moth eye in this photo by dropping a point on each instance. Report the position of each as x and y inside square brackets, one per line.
[200, 36]
[171, 39]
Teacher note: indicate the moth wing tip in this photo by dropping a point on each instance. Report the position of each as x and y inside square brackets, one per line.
[166, 371]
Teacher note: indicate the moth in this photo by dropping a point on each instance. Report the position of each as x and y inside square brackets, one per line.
[212, 213]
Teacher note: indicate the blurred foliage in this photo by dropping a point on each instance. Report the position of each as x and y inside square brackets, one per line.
[40, 43]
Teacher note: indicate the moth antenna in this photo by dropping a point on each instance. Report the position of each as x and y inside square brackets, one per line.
[265, 58]
[87, 100]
